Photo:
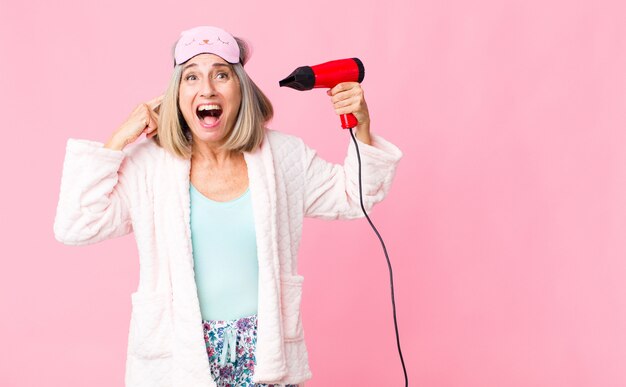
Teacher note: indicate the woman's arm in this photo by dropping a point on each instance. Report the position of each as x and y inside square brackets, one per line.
[332, 190]
[93, 204]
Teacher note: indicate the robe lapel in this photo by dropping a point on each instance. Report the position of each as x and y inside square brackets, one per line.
[191, 364]
[270, 358]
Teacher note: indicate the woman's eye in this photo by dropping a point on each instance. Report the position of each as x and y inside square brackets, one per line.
[221, 76]
[191, 77]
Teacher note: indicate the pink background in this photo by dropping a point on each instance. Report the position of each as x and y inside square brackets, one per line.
[506, 224]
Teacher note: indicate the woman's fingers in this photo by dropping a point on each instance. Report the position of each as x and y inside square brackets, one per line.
[150, 117]
[155, 103]
[348, 97]
[153, 122]
[345, 90]
[143, 119]
[351, 108]
[344, 102]
[343, 86]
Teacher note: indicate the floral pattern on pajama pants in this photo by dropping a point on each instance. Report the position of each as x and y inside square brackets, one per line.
[230, 346]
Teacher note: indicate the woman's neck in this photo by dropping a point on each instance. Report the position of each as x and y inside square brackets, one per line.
[211, 154]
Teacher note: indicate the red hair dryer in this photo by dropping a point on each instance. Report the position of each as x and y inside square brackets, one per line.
[328, 75]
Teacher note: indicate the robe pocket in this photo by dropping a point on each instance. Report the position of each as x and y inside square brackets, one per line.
[291, 297]
[151, 328]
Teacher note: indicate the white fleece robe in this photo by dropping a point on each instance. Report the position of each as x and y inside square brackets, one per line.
[145, 189]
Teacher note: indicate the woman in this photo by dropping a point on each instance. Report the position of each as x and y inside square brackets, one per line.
[216, 202]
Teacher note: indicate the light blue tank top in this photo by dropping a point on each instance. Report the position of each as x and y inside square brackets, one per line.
[225, 257]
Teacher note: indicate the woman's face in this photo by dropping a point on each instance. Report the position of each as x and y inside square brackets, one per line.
[209, 98]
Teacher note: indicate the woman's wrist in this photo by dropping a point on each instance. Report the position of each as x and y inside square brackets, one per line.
[115, 144]
[363, 133]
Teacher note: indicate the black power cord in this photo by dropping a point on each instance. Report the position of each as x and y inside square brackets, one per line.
[393, 298]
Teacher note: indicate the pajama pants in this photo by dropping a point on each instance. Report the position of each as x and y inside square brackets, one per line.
[230, 346]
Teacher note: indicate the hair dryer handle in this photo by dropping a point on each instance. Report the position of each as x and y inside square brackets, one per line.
[348, 121]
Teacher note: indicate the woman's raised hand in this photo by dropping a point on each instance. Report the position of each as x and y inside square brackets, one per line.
[348, 97]
[144, 119]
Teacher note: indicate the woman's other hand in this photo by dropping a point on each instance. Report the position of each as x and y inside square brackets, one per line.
[348, 97]
[144, 119]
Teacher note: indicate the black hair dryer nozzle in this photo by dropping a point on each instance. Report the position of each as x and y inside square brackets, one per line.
[300, 79]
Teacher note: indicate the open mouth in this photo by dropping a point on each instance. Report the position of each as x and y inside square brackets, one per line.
[209, 114]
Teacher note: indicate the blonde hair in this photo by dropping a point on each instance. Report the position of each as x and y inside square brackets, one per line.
[255, 111]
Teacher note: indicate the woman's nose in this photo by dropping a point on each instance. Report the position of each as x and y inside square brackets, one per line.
[208, 89]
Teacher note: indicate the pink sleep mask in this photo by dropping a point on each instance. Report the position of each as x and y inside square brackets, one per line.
[206, 40]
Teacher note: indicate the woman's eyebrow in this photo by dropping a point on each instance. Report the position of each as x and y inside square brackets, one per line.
[189, 65]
